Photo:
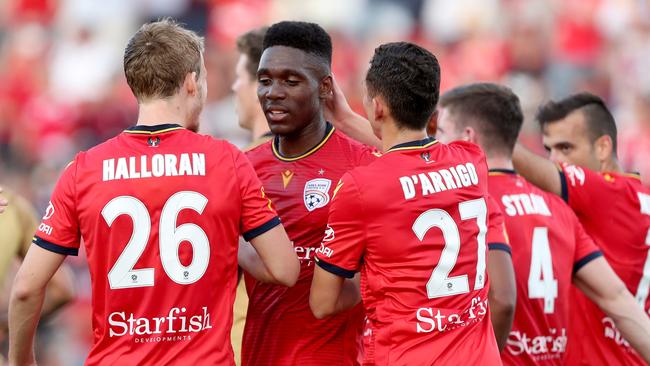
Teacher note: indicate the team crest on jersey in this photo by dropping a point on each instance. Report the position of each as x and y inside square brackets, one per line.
[153, 141]
[316, 193]
[49, 211]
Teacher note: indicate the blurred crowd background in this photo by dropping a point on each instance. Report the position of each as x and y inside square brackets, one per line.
[62, 87]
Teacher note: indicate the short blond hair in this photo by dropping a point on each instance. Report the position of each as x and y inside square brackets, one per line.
[159, 56]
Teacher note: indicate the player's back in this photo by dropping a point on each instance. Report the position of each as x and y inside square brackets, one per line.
[548, 247]
[160, 212]
[615, 210]
[424, 279]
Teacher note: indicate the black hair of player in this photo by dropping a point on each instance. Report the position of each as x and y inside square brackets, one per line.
[598, 118]
[493, 110]
[307, 37]
[407, 76]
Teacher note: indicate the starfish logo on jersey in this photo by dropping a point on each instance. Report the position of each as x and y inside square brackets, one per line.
[49, 211]
[316, 193]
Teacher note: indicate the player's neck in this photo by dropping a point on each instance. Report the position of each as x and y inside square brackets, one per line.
[259, 127]
[611, 165]
[499, 162]
[391, 135]
[300, 142]
[160, 111]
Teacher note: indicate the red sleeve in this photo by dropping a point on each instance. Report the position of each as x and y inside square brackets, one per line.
[586, 249]
[59, 228]
[579, 186]
[497, 237]
[257, 213]
[344, 243]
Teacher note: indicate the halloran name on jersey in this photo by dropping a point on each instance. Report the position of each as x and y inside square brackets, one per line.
[460, 176]
[158, 165]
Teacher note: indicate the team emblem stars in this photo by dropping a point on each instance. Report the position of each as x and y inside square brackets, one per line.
[316, 193]
[49, 211]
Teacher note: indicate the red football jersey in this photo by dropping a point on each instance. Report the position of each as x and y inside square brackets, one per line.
[615, 211]
[160, 210]
[414, 223]
[548, 246]
[280, 327]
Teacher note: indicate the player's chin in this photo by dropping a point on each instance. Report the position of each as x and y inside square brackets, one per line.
[281, 129]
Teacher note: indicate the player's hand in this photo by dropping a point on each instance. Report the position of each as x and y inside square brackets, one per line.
[337, 108]
[3, 203]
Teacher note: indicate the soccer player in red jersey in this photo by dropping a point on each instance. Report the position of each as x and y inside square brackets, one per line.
[414, 223]
[502, 295]
[160, 209]
[549, 246]
[299, 169]
[613, 207]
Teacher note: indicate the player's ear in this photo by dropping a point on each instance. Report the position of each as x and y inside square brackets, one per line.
[190, 84]
[379, 108]
[325, 87]
[604, 147]
[432, 126]
[469, 134]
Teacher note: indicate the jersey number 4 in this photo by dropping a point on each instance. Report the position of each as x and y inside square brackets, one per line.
[122, 275]
[440, 284]
[541, 284]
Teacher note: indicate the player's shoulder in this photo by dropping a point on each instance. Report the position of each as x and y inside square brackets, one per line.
[465, 147]
[260, 153]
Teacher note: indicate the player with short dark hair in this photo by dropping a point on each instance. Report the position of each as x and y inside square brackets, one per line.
[251, 117]
[549, 246]
[160, 210]
[614, 208]
[299, 169]
[414, 223]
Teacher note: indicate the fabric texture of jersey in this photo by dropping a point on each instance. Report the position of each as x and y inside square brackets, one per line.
[160, 210]
[414, 223]
[615, 211]
[548, 247]
[280, 327]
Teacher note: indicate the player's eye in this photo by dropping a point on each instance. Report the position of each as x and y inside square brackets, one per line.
[264, 81]
[291, 82]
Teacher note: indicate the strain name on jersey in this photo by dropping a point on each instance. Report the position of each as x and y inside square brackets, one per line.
[426, 183]
[157, 165]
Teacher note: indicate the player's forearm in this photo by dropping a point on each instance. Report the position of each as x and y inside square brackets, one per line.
[358, 128]
[631, 321]
[502, 313]
[251, 262]
[538, 170]
[350, 294]
[59, 292]
[24, 309]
